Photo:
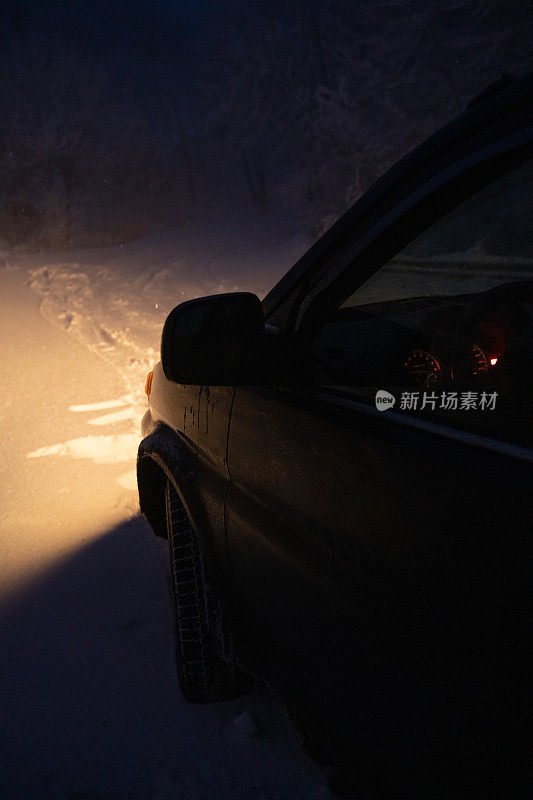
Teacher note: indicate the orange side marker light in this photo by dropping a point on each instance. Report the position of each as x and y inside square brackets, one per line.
[148, 384]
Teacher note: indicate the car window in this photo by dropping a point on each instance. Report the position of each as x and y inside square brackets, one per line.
[445, 326]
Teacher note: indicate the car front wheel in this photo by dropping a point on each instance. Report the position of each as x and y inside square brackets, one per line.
[205, 657]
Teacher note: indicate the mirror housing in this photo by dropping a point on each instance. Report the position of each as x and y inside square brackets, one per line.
[215, 341]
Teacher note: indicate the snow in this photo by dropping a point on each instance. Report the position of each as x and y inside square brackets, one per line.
[102, 449]
[115, 299]
[92, 708]
[99, 406]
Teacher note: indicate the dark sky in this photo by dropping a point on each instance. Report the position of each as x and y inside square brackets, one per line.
[149, 42]
[154, 23]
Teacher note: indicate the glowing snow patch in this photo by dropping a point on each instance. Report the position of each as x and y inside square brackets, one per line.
[100, 449]
[99, 406]
[118, 416]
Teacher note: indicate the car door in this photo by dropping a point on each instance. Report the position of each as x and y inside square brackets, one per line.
[377, 555]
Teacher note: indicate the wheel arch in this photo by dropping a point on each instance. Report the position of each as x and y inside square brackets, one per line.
[151, 480]
[164, 456]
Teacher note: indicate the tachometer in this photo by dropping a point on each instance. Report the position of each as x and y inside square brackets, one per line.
[423, 366]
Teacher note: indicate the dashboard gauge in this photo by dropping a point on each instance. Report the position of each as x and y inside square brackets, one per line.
[480, 361]
[423, 366]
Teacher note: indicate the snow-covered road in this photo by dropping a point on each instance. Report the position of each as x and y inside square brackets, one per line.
[91, 707]
[50, 505]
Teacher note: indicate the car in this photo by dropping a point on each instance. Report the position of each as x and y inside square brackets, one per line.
[343, 474]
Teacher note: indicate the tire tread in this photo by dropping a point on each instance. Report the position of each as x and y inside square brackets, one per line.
[205, 656]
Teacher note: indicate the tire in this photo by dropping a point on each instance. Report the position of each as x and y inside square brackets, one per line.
[205, 657]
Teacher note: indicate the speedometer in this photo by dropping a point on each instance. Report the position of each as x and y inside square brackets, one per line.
[423, 366]
[480, 361]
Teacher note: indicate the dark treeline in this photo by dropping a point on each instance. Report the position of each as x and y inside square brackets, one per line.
[116, 118]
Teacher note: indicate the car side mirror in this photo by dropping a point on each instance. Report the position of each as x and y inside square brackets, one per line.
[215, 341]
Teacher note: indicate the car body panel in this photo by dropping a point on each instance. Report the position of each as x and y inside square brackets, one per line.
[406, 526]
[280, 574]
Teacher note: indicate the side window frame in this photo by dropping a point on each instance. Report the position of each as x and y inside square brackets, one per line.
[405, 222]
[370, 252]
